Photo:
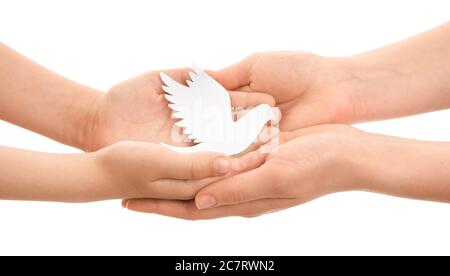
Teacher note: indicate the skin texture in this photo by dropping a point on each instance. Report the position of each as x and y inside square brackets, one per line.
[31, 96]
[125, 169]
[137, 110]
[42, 101]
[316, 161]
[134, 110]
[404, 78]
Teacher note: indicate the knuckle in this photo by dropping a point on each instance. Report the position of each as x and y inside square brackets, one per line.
[188, 192]
[279, 188]
[144, 189]
[277, 174]
[200, 167]
[191, 171]
[235, 197]
[275, 182]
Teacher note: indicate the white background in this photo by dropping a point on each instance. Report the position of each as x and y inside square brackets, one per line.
[99, 43]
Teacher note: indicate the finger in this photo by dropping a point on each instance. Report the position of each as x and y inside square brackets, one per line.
[181, 75]
[264, 142]
[252, 185]
[268, 139]
[248, 161]
[305, 114]
[278, 115]
[268, 134]
[236, 75]
[242, 98]
[238, 113]
[191, 166]
[245, 89]
[286, 136]
[188, 210]
[187, 189]
[250, 99]
[178, 189]
[239, 98]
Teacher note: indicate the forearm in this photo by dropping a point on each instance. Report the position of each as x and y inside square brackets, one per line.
[403, 167]
[27, 175]
[42, 101]
[408, 77]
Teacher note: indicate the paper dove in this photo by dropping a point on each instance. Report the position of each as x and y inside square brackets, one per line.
[205, 113]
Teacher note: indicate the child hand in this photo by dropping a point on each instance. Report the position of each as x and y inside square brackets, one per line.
[136, 110]
[123, 170]
[137, 169]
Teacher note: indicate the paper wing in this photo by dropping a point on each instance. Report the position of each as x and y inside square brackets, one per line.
[202, 92]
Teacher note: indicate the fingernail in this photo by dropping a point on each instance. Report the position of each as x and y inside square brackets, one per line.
[205, 202]
[125, 203]
[221, 165]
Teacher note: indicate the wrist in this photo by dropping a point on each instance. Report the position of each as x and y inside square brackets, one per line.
[386, 86]
[415, 169]
[88, 119]
[365, 88]
[115, 168]
[77, 117]
[352, 83]
[350, 146]
[107, 179]
[91, 183]
[87, 180]
[402, 167]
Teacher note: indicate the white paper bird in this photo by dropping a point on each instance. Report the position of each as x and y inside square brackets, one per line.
[205, 113]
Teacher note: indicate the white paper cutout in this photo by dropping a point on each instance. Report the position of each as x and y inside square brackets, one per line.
[205, 113]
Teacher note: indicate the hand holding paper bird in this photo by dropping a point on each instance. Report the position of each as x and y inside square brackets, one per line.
[205, 113]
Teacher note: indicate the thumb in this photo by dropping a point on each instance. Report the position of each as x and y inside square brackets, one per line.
[249, 186]
[192, 165]
[236, 75]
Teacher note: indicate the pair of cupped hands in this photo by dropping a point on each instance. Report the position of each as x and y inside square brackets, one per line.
[312, 93]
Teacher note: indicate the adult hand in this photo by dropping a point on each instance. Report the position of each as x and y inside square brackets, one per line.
[312, 162]
[396, 80]
[309, 89]
[317, 161]
[137, 110]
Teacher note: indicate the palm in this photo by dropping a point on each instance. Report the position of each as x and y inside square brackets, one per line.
[135, 110]
[312, 108]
